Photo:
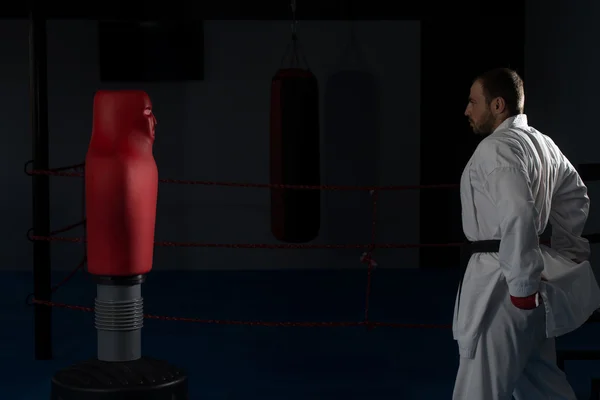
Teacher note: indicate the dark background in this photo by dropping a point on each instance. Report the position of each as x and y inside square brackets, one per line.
[391, 106]
[420, 63]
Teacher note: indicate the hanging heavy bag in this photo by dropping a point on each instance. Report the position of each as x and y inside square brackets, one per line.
[295, 154]
[350, 144]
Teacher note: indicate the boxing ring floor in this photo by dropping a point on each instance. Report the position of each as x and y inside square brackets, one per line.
[252, 362]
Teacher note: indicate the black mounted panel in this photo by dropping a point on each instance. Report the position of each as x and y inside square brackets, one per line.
[153, 51]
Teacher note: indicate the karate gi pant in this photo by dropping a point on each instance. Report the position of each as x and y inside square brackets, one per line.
[513, 358]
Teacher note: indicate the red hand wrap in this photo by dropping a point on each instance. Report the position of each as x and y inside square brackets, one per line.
[526, 303]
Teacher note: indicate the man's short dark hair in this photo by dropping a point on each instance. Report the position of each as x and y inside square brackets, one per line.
[505, 83]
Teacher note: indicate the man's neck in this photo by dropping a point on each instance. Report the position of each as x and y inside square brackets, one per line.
[499, 120]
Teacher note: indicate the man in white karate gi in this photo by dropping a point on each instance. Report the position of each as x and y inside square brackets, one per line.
[517, 294]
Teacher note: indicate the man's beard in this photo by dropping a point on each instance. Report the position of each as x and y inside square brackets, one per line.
[486, 126]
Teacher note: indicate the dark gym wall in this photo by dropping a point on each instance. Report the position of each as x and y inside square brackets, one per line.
[562, 85]
[551, 44]
[218, 129]
[454, 52]
[197, 119]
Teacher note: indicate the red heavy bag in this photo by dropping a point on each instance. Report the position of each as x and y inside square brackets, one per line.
[295, 155]
[121, 185]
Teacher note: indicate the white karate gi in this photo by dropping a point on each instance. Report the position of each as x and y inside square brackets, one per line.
[516, 181]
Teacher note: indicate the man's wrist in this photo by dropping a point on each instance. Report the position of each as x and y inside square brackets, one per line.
[526, 303]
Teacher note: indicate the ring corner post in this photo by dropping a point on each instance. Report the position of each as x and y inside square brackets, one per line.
[38, 83]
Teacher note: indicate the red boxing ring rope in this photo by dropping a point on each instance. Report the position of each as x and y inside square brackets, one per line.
[60, 172]
[367, 257]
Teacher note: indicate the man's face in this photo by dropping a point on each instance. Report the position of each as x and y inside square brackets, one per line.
[478, 111]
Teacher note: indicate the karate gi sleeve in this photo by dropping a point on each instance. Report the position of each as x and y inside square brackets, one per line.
[520, 257]
[568, 215]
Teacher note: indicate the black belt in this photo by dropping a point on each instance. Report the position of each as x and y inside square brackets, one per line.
[470, 248]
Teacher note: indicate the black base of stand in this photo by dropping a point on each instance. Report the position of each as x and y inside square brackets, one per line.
[143, 379]
[595, 389]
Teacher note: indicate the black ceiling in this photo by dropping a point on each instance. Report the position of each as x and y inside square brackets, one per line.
[265, 9]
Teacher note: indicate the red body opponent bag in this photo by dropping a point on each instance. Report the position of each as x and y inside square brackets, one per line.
[121, 185]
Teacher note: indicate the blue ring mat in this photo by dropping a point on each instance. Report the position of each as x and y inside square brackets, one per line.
[292, 363]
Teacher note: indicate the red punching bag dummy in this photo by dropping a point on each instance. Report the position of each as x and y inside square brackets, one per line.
[121, 188]
[121, 185]
[295, 155]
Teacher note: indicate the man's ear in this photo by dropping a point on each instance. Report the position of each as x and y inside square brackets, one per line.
[498, 105]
